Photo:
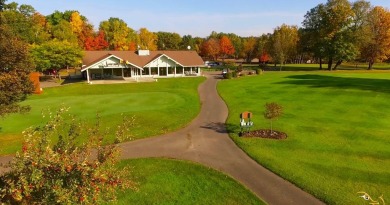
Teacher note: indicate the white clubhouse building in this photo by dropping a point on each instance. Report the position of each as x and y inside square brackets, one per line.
[133, 65]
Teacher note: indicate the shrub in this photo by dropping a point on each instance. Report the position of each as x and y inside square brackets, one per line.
[65, 172]
[234, 74]
[229, 75]
[259, 71]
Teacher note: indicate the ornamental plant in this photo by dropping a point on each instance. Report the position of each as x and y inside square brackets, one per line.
[54, 167]
[272, 112]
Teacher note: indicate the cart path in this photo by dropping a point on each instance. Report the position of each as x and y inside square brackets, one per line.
[206, 141]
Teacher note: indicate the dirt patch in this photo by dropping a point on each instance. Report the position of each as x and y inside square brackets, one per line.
[265, 133]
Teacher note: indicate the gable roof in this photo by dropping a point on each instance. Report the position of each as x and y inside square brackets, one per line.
[183, 58]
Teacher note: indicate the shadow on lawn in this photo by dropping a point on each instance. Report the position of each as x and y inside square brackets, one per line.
[321, 81]
[221, 127]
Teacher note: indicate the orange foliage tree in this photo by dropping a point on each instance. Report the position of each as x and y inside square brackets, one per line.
[96, 43]
[226, 47]
[210, 48]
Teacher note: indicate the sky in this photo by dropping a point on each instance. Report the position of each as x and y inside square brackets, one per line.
[191, 17]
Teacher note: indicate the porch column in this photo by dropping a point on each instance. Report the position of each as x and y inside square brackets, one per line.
[158, 70]
[167, 70]
[123, 75]
[191, 70]
[182, 74]
[140, 72]
[175, 71]
[88, 76]
[150, 70]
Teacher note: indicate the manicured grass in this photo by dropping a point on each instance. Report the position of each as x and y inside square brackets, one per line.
[163, 181]
[337, 125]
[158, 107]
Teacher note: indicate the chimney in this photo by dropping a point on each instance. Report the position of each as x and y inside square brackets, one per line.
[143, 52]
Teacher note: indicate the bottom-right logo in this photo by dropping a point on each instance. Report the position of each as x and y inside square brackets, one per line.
[368, 198]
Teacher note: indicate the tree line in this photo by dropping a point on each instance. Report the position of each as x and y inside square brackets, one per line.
[332, 32]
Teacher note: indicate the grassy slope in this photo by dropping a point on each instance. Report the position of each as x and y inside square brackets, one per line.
[337, 126]
[158, 107]
[163, 181]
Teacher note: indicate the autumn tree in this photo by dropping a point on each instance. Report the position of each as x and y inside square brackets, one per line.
[15, 65]
[329, 27]
[147, 39]
[250, 48]
[168, 41]
[56, 55]
[117, 33]
[96, 43]
[377, 47]
[226, 47]
[263, 48]
[210, 48]
[284, 43]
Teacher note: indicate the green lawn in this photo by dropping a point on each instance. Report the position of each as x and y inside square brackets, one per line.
[337, 124]
[158, 107]
[163, 181]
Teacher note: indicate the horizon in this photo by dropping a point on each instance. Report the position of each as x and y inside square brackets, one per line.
[195, 18]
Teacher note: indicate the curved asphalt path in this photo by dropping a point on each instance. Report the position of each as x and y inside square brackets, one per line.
[206, 141]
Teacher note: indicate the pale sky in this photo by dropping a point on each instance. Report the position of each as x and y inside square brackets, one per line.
[194, 17]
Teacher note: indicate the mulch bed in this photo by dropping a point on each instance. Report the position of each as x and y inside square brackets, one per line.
[265, 134]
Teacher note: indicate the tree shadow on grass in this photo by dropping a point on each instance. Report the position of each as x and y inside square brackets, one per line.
[324, 81]
[221, 127]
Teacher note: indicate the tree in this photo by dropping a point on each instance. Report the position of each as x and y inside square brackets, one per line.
[117, 33]
[56, 54]
[187, 40]
[250, 48]
[272, 112]
[168, 41]
[63, 32]
[96, 43]
[15, 65]
[284, 40]
[377, 46]
[226, 47]
[329, 28]
[147, 39]
[210, 48]
[65, 172]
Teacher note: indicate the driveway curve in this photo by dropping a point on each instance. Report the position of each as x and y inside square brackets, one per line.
[206, 141]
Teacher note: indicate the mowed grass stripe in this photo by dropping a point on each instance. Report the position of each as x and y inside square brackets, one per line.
[337, 126]
[158, 107]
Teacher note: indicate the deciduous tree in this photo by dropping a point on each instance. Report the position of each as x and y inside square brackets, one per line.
[56, 55]
[226, 47]
[272, 112]
[147, 39]
[377, 46]
[250, 48]
[15, 65]
[210, 48]
[284, 40]
[117, 33]
[168, 41]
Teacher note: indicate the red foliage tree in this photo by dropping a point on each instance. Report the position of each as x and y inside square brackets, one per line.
[210, 48]
[264, 58]
[96, 43]
[226, 47]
